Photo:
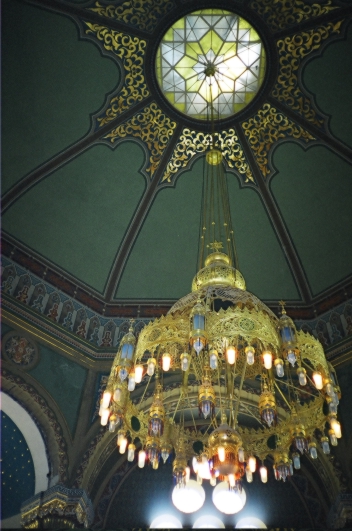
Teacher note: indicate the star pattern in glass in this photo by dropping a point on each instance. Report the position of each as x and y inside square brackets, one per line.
[207, 55]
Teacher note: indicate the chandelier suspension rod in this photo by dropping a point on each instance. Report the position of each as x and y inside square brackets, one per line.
[283, 396]
[240, 389]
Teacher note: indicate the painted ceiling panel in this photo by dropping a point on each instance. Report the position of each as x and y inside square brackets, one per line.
[52, 83]
[313, 192]
[261, 260]
[96, 196]
[333, 70]
[64, 380]
[163, 260]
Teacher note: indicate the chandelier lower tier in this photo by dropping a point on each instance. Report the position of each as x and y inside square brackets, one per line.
[228, 387]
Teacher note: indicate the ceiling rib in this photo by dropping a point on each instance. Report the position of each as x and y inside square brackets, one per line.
[336, 14]
[22, 186]
[331, 142]
[279, 226]
[136, 223]
[90, 16]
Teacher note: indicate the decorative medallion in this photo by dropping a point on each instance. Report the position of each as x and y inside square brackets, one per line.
[20, 350]
[210, 55]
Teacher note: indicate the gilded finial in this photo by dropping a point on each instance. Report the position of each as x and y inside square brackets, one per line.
[215, 246]
[282, 304]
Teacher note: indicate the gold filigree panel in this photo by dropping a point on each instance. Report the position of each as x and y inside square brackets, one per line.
[266, 128]
[130, 50]
[152, 127]
[191, 143]
[280, 14]
[312, 350]
[143, 15]
[292, 50]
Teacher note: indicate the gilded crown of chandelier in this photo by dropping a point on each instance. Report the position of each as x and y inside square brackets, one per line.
[214, 345]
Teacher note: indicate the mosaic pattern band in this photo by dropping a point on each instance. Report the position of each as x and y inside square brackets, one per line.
[192, 143]
[130, 50]
[152, 127]
[142, 15]
[281, 14]
[268, 127]
[292, 51]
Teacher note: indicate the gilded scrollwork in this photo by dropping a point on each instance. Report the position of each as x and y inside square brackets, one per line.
[280, 14]
[192, 143]
[311, 349]
[292, 50]
[152, 127]
[266, 128]
[130, 50]
[142, 15]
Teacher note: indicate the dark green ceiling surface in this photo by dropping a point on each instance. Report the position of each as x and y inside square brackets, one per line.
[51, 83]
[91, 215]
[313, 191]
[333, 72]
[92, 200]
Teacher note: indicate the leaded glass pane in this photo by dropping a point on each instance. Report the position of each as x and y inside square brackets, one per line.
[222, 40]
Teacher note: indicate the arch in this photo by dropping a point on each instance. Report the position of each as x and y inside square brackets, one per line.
[33, 437]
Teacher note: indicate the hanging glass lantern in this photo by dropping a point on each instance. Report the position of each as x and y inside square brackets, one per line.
[206, 395]
[198, 337]
[180, 464]
[152, 449]
[156, 414]
[267, 407]
[288, 337]
[125, 355]
[282, 466]
[298, 434]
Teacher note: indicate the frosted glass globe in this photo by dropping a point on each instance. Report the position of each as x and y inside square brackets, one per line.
[190, 498]
[166, 521]
[250, 522]
[228, 501]
[208, 522]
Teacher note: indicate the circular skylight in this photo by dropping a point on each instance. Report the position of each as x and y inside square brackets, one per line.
[210, 55]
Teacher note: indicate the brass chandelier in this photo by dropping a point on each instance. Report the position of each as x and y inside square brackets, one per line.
[228, 386]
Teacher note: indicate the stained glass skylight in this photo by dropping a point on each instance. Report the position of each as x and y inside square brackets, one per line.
[210, 54]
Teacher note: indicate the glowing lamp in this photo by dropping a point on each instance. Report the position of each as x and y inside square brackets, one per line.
[166, 362]
[231, 355]
[138, 373]
[263, 474]
[228, 501]
[189, 498]
[221, 453]
[318, 380]
[106, 399]
[105, 417]
[268, 359]
[141, 458]
[252, 463]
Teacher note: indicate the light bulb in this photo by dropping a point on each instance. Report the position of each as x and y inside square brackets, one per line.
[279, 365]
[333, 438]
[302, 378]
[263, 474]
[166, 362]
[232, 481]
[198, 345]
[250, 354]
[106, 399]
[231, 355]
[141, 458]
[221, 453]
[313, 451]
[291, 356]
[120, 436]
[138, 373]
[325, 445]
[188, 474]
[123, 445]
[195, 464]
[184, 361]
[268, 359]
[101, 408]
[131, 382]
[123, 374]
[332, 407]
[105, 417]
[241, 455]
[213, 359]
[117, 394]
[151, 366]
[329, 389]
[112, 423]
[318, 380]
[296, 461]
[252, 463]
[130, 452]
[249, 475]
[336, 426]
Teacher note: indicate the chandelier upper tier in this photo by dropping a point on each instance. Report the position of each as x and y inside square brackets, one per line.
[228, 387]
[210, 41]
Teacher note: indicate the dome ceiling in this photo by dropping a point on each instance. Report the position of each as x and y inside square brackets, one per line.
[102, 174]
